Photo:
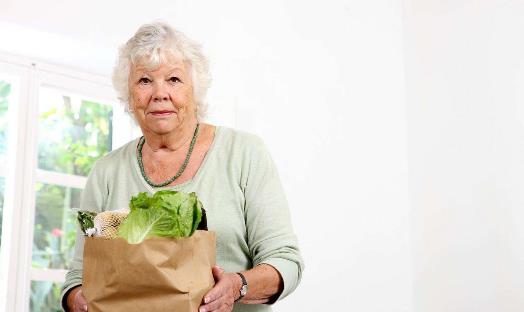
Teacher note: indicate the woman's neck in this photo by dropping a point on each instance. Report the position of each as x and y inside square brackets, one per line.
[170, 142]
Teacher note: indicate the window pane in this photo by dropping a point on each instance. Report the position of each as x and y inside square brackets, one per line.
[5, 97]
[74, 132]
[45, 296]
[55, 225]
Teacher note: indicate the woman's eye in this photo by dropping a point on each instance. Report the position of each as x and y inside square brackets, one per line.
[144, 80]
[174, 79]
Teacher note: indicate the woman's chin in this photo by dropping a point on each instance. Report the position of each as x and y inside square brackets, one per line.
[161, 129]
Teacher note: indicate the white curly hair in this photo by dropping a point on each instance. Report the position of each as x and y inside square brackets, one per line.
[151, 43]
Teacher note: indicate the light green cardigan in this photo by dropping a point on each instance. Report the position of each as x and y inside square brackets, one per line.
[239, 187]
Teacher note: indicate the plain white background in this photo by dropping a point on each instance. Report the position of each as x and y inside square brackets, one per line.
[396, 126]
[465, 83]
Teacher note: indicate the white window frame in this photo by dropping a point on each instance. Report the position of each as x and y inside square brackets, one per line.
[14, 182]
[22, 174]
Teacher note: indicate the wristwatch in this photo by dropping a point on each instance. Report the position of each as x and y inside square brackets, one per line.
[243, 289]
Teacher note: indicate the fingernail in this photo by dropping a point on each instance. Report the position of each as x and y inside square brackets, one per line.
[206, 300]
[201, 310]
[85, 307]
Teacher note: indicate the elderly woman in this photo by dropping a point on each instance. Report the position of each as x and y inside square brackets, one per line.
[162, 76]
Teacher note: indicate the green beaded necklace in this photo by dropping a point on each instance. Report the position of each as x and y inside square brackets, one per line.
[180, 171]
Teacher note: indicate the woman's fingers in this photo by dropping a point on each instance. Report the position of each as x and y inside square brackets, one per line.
[213, 305]
[219, 305]
[220, 297]
[216, 291]
[81, 308]
[80, 302]
[217, 272]
[214, 297]
[225, 308]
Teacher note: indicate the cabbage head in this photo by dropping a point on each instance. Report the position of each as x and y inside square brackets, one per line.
[164, 214]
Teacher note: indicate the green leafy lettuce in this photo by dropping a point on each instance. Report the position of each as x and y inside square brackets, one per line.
[165, 214]
[85, 218]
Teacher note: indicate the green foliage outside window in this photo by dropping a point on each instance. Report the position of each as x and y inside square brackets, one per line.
[75, 137]
[56, 226]
[44, 296]
[71, 139]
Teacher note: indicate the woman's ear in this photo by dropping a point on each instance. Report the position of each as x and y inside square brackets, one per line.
[129, 105]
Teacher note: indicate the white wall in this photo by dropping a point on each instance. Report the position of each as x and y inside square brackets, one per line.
[324, 87]
[465, 82]
[323, 84]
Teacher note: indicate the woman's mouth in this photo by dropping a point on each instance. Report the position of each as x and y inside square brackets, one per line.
[161, 113]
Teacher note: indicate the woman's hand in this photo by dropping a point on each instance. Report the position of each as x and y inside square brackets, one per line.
[221, 298]
[76, 302]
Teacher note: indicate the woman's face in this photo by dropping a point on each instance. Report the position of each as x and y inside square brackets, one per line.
[162, 98]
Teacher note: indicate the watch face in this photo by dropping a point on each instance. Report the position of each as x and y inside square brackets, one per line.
[243, 290]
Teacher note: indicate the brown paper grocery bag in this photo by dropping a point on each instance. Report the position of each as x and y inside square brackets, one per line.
[159, 274]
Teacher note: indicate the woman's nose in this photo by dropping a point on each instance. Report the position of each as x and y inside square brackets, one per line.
[160, 92]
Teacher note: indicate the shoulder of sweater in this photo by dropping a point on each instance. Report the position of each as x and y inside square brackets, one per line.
[117, 156]
[239, 139]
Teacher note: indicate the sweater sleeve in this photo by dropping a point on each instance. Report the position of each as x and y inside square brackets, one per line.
[93, 197]
[270, 234]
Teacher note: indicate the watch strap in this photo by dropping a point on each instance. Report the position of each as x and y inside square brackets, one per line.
[243, 289]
